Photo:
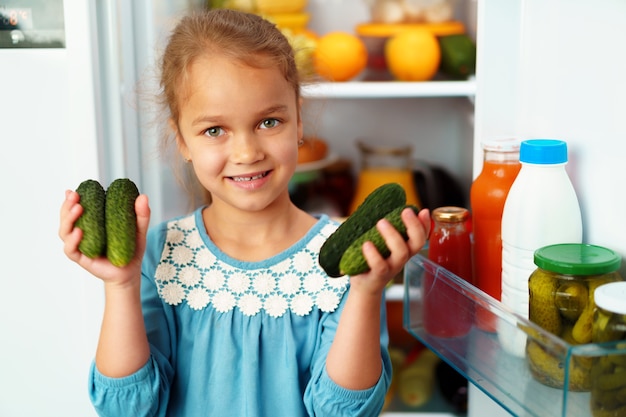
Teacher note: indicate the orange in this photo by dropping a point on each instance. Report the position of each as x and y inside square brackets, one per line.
[413, 55]
[339, 56]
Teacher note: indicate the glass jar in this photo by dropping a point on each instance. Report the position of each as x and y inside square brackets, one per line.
[381, 165]
[449, 246]
[561, 301]
[608, 372]
[449, 243]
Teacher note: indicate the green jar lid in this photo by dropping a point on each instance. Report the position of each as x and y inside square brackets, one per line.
[577, 259]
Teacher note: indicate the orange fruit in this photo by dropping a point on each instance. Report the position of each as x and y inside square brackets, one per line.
[312, 149]
[339, 56]
[413, 55]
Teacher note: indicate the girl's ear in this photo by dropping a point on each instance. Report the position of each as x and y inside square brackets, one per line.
[180, 142]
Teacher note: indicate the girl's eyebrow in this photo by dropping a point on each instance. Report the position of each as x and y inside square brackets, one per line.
[275, 109]
[204, 119]
[279, 108]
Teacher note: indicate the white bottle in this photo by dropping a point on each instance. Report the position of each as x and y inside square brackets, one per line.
[541, 209]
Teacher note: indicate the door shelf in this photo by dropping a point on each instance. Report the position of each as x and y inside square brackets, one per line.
[495, 359]
[390, 89]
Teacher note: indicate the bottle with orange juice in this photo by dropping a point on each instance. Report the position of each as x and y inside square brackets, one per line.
[487, 196]
[381, 165]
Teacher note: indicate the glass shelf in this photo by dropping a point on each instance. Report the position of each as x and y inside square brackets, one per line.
[390, 89]
[488, 353]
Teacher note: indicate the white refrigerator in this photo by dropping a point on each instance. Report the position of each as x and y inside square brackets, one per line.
[71, 111]
[68, 70]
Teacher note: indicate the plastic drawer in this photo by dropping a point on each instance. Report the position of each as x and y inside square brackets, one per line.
[483, 355]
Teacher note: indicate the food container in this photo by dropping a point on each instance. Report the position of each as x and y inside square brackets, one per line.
[449, 246]
[295, 22]
[375, 36]
[286, 14]
[411, 11]
[561, 301]
[382, 164]
[260, 6]
[608, 372]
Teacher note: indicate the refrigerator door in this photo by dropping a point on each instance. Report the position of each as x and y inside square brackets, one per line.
[50, 309]
[553, 69]
[70, 71]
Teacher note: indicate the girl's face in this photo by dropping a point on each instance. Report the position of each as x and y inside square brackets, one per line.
[240, 127]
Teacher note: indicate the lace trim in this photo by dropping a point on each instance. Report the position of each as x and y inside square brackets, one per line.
[189, 272]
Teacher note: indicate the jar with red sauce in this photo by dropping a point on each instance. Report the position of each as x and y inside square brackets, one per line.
[447, 311]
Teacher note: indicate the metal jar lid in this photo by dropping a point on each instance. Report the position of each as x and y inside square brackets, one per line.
[450, 214]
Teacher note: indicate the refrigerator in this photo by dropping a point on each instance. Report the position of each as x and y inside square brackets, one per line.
[72, 110]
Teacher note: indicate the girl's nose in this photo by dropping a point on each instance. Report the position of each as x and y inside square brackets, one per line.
[245, 148]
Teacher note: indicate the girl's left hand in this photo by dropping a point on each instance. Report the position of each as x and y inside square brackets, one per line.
[384, 270]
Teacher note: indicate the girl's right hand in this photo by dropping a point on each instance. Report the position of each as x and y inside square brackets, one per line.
[100, 267]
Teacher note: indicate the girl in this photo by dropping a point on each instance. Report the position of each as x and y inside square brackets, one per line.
[226, 311]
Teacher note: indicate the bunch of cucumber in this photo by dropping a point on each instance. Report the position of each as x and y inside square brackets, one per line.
[341, 253]
[109, 221]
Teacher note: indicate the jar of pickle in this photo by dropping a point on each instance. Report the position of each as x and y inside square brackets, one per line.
[608, 372]
[561, 301]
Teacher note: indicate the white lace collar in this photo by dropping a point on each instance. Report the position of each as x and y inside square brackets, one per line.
[193, 271]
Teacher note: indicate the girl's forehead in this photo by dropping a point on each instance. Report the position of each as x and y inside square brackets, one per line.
[218, 69]
[222, 82]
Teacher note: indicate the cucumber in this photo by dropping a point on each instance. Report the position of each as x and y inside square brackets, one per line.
[458, 56]
[91, 222]
[380, 202]
[121, 221]
[353, 262]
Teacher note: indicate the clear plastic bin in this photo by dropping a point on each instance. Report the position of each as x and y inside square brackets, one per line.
[480, 357]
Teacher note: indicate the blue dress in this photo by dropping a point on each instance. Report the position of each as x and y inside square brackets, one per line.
[233, 338]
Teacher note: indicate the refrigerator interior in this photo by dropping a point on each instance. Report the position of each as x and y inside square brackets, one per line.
[440, 128]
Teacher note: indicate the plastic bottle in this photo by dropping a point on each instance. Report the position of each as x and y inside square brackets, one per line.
[541, 209]
[487, 196]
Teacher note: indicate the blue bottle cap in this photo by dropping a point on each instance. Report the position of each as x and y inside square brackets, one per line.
[543, 151]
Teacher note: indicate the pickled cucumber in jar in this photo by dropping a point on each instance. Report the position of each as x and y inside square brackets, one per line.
[608, 372]
[561, 301]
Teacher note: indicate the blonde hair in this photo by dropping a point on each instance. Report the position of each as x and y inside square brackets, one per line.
[244, 37]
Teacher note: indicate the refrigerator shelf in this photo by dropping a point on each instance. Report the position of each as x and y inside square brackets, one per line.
[484, 357]
[390, 89]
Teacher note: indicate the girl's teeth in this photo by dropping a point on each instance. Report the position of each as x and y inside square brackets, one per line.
[256, 177]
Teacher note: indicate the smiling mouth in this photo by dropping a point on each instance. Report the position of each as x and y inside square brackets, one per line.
[252, 178]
